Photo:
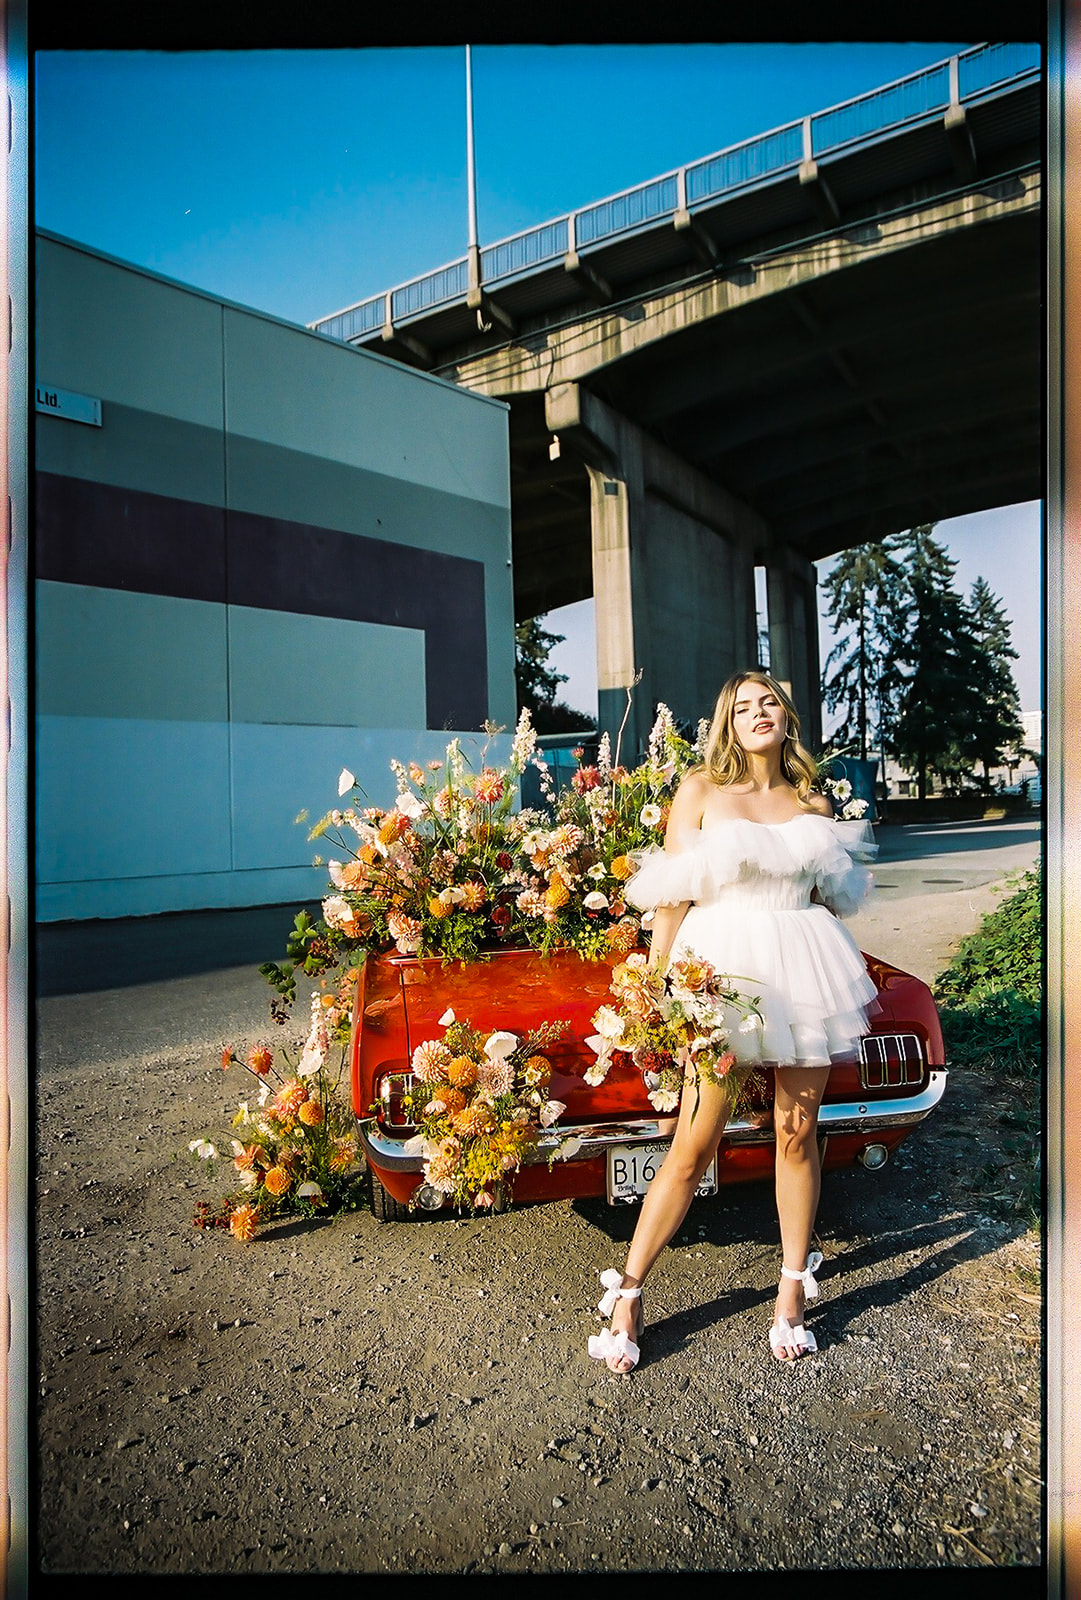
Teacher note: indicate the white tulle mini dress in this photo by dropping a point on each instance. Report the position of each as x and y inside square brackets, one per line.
[753, 918]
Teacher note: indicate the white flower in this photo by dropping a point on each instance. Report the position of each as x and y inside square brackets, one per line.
[567, 1148]
[750, 1024]
[309, 1191]
[551, 1112]
[446, 1018]
[524, 743]
[664, 1099]
[334, 870]
[608, 1023]
[841, 788]
[346, 781]
[649, 816]
[312, 1058]
[595, 901]
[337, 913]
[598, 872]
[408, 804]
[498, 1046]
[248, 1178]
[202, 1148]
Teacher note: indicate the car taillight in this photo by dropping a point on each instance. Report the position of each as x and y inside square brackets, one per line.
[890, 1060]
[390, 1092]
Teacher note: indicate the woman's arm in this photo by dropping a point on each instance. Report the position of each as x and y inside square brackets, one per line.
[665, 926]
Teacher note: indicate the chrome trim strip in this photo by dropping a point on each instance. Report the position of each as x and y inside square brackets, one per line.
[849, 1116]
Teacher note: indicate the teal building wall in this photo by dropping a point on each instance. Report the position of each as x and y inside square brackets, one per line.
[277, 556]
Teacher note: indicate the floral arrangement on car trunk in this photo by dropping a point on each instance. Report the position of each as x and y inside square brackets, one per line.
[670, 1019]
[450, 870]
[297, 1150]
[480, 1101]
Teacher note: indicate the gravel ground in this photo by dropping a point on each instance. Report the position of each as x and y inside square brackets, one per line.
[352, 1397]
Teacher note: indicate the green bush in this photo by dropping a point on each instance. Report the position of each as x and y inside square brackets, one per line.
[990, 995]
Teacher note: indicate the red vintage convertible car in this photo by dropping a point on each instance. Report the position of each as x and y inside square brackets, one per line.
[869, 1107]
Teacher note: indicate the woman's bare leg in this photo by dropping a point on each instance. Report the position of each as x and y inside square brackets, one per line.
[799, 1092]
[701, 1122]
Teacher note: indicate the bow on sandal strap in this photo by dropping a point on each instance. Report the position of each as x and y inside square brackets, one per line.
[614, 1290]
[606, 1345]
[807, 1278]
[783, 1336]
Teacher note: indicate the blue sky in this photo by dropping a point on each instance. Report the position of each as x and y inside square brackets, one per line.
[301, 182]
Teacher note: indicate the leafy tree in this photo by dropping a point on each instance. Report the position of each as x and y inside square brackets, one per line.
[941, 702]
[998, 728]
[537, 681]
[866, 595]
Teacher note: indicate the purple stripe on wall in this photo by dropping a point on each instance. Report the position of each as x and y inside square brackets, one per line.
[115, 538]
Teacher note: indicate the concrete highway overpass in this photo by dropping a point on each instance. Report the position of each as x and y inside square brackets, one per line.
[819, 337]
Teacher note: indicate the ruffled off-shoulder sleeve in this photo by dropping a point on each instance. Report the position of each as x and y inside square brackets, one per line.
[842, 876]
[663, 878]
[833, 855]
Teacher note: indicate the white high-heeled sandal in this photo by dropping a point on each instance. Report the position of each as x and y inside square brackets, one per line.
[607, 1345]
[782, 1333]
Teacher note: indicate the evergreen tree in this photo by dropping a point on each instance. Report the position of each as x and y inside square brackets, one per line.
[998, 726]
[537, 681]
[866, 591]
[942, 699]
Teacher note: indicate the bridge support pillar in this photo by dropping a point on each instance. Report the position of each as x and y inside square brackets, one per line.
[673, 572]
[791, 594]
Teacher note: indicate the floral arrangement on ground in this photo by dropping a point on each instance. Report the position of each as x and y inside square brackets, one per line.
[297, 1151]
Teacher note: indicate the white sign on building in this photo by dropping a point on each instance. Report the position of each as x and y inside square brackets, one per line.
[63, 403]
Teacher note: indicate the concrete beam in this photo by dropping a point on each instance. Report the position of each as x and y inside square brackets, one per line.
[825, 203]
[569, 353]
[596, 287]
[673, 570]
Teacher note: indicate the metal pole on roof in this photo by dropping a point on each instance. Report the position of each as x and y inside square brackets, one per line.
[470, 160]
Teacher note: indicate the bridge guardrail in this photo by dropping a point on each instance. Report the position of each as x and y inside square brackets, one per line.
[985, 69]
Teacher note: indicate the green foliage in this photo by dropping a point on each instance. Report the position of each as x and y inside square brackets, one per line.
[537, 682]
[991, 992]
[917, 669]
[865, 591]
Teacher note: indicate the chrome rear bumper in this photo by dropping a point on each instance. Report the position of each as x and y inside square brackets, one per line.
[586, 1140]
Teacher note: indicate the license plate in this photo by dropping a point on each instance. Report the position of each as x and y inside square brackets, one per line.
[632, 1167]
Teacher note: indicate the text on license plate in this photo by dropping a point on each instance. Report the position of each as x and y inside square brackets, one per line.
[632, 1167]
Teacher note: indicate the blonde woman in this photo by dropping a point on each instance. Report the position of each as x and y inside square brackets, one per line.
[753, 874]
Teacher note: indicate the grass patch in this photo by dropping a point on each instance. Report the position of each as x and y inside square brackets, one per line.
[990, 994]
[991, 1005]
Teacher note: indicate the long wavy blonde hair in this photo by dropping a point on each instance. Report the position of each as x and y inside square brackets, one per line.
[725, 758]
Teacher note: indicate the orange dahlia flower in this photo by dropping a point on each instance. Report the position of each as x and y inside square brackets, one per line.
[242, 1221]
[291, 1097]
[462, 1072]
[452, 1100]
[260, 1059]
[473, 1121]
[621, 868]
[558, 894]
[277, 1180]
[311, 1114]
[341, 1154]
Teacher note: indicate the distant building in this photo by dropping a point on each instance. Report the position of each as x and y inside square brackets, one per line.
[901, 784]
